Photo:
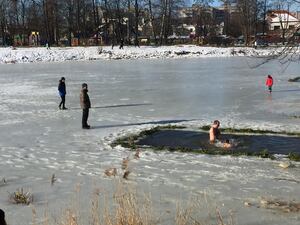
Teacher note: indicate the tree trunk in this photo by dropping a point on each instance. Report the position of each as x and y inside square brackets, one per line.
[152, 22]
[95, 20]
[46, 19]
[128, 22]
[163, 21]
[136, 7]
[70, 23]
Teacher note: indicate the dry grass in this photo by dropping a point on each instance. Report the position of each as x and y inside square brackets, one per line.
[21, 197]
[111, 172]
[188, 215]
[127, 207]
[280, 205]
[53, 179]
[3, 182]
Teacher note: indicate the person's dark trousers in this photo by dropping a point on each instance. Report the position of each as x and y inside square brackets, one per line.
[85, 116]
[63, 100]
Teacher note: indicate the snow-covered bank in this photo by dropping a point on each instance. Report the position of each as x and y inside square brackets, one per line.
[28, 55]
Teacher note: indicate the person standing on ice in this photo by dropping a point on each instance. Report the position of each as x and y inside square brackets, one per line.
[47, 45]
[62, 93]
[269, 83]
[85, 104]
[121, 44]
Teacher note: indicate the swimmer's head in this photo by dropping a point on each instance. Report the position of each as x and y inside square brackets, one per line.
[227, 141]
[216, 123]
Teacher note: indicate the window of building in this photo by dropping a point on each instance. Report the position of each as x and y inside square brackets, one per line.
[276, 27]
[292, 27]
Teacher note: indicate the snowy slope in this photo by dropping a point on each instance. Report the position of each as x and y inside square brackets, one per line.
[41, 54]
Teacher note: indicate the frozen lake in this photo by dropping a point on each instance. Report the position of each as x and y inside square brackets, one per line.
[37, 140]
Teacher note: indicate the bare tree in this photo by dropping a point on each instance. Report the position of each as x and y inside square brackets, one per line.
[137, 17]
[248, 18]
[152, 19]
[56, 20]
[129, 21]
[204, 17]
[3, 21]
[167, 13]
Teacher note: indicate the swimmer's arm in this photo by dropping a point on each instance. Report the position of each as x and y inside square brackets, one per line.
[211, 135]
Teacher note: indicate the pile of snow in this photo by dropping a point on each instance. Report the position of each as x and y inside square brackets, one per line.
[58, 54]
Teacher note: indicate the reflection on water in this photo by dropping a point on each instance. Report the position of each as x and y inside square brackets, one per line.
[269, 97]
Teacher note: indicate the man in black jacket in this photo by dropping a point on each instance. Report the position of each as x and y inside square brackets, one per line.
[85, 104]
[2, 217]
[62, 92]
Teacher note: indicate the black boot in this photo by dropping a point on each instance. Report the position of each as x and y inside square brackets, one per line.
[86, 127]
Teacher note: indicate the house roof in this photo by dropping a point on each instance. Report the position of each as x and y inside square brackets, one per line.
[277, 16]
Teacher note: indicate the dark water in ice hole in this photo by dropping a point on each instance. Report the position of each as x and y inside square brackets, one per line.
[275, 144]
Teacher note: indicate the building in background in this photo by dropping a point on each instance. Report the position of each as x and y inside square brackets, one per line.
[281, 19]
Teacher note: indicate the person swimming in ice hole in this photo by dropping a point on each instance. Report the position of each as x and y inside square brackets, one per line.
[227, 144]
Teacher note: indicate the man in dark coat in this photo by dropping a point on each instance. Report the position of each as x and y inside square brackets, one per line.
[62, 93]
[2, 217]
[85, 104]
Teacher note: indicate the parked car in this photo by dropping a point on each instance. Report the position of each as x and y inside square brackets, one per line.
[260, 43]
[220, 40]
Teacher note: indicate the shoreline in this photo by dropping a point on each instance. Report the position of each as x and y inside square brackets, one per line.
[9, 55]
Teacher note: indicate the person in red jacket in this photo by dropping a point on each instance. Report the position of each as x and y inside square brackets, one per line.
[269, 82]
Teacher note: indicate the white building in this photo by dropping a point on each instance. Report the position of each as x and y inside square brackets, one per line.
[281, 20]
[185, 13]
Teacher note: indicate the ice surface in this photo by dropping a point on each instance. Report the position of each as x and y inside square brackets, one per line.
[37, 140]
